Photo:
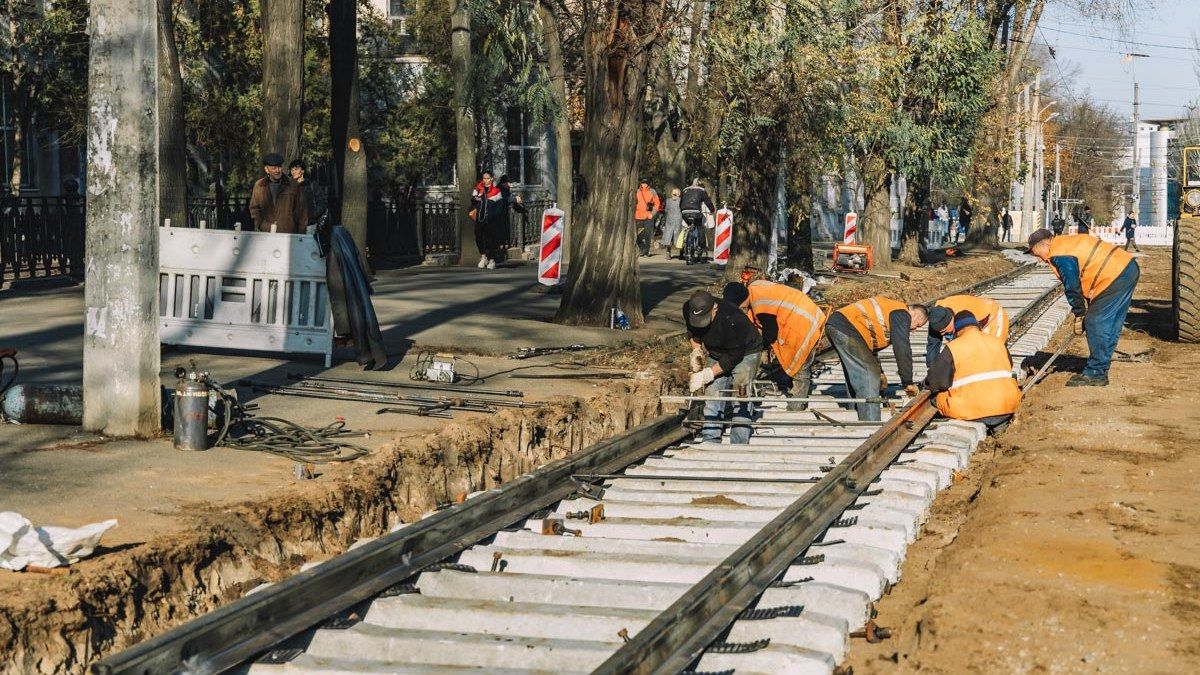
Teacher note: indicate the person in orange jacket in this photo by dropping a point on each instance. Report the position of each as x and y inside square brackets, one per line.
[791, 326]
[646, 207]
[1098, 279]
[972, 378]
[859, 330]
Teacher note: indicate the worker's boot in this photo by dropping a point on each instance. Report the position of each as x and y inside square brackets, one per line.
[1082, 380]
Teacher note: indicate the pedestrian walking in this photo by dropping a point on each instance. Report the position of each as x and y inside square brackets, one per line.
[646, 207]
[313, 201]
[1083, 224]
[1098, 279]
[964, 220]
[952, 233]
[487, 207]
[692, 203]
[672, 223]
[276, 201]
[502, 224]
[1128, 228]
[1058, 223]
[1006, 223]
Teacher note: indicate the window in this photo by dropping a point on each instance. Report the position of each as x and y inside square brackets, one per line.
[398, 15]
[522, 149]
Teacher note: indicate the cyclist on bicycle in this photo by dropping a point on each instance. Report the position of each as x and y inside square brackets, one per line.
[691, 204]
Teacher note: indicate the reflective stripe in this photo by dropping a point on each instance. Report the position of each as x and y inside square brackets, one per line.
[814, 325]
[998, 322]
[875, 339]
[980, 377]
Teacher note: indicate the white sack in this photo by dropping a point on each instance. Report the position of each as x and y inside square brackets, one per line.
[22, 544]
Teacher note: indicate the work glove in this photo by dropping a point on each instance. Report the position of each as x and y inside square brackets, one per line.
[697, 360]
[699, 380]
[911, 390]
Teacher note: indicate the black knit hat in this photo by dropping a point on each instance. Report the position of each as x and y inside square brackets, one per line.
[940, 318]
[964, 319]
[735, 293]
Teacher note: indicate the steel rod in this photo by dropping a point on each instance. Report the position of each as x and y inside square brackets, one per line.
[511, 393]
[775, 399]
[592, 477]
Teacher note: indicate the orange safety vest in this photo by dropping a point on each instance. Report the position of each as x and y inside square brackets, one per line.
[1100, 263]
[871, 318]
[983, 384]
[800, 321]
[993, 320]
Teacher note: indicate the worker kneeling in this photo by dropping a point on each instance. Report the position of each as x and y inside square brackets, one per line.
[972, 378]
[993, 320]
[1098, 279]
[726, 349]
[860, 330]
[790, 324]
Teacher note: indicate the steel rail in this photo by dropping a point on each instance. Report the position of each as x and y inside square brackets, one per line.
[678, 637]
[237, 632]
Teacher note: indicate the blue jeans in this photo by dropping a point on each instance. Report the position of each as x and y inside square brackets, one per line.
[861, 370]
[1104, 319]
[740, 379]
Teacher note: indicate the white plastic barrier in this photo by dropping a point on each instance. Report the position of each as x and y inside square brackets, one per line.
[1144, 236]
[243, 290]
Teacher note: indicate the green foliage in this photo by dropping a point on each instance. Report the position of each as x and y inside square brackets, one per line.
[44, 56]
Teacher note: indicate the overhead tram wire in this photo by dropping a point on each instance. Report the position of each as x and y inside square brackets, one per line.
[1112, 52]
[1132, 43]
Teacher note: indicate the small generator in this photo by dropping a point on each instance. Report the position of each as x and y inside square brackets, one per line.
[856, 258]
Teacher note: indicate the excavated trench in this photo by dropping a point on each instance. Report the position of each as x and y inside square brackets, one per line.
[228, 550]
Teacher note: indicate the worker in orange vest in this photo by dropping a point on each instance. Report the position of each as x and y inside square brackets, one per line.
[972, 378]
[992, 318]
[646, 207]
[1098, 279]
[859, 330]
[790, 324]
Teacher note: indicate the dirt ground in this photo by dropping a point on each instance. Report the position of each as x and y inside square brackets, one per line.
[1071, 547]
[201, 537]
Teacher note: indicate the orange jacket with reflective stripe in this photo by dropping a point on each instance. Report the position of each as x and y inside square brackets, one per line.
[1100, 263]
[993, 320]
[800, 321]
[871, 318]
[983, 384]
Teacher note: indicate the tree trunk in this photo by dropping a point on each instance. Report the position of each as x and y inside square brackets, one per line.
[348, 206]
[464, 124]
[915, 223]
[564, 179]
[875, 224]
[754, 203]
[172, 140]
[604, 268]
[799, 248]
[282, 77]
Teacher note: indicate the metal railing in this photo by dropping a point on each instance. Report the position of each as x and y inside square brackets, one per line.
[40, 237]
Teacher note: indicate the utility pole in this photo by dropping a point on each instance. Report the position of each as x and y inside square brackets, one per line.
[1057, 177]
[1137, 163]
[1033, 108]
[120, 345]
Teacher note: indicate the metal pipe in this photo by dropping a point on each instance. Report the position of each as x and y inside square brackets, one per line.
[776, 399]
[796, 423]
[595, 477]
[511, 393]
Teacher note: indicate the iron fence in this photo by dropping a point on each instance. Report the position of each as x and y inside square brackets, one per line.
[40, 237]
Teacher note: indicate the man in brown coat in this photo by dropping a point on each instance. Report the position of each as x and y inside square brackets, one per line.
[277, 200]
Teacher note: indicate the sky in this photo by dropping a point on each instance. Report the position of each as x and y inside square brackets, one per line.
[1166, 75]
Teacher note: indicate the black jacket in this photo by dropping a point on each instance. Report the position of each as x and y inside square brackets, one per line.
[693, 197]
[729, 338]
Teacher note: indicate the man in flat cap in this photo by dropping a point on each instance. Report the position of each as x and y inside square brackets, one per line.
[277, 203]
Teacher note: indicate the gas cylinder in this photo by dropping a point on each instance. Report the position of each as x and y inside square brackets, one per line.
[44, 404]
[191, 413]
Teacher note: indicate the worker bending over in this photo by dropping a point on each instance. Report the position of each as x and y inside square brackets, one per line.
[860, 330]
[1098, 279]
[733, 347]
[790, 324]
[993, 320]
[972, 378]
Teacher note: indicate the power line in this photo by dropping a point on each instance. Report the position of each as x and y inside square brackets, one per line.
[1106, 51]
[1124, 41]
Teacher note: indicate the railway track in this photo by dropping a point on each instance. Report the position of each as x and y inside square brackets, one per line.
[646, 553]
